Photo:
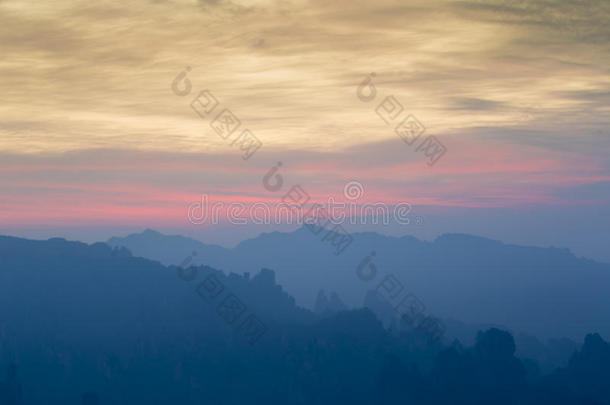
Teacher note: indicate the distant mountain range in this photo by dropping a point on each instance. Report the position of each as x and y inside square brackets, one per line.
[544, 291]
[57, 289]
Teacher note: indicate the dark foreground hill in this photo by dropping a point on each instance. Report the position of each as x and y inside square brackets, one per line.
[87, 324]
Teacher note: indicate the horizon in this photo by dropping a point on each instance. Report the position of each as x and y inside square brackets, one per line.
[226, 237]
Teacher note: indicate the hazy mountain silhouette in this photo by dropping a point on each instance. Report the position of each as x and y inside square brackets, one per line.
[543, 291]
[167, 249]
[96, 324]
[94, 289]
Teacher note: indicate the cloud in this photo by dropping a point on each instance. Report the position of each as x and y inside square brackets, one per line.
[594, 98]
[582, 20]
[517, 91]
[477, 104]
[598, 192]
[98, 75]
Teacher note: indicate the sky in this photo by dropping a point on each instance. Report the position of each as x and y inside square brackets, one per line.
[95, 140]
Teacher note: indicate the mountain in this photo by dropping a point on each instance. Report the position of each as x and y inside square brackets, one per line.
[547, 292]
[166, 249]
[93, 291]
[78, 318]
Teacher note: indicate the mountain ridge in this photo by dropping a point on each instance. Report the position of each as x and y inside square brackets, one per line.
[523, 287]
